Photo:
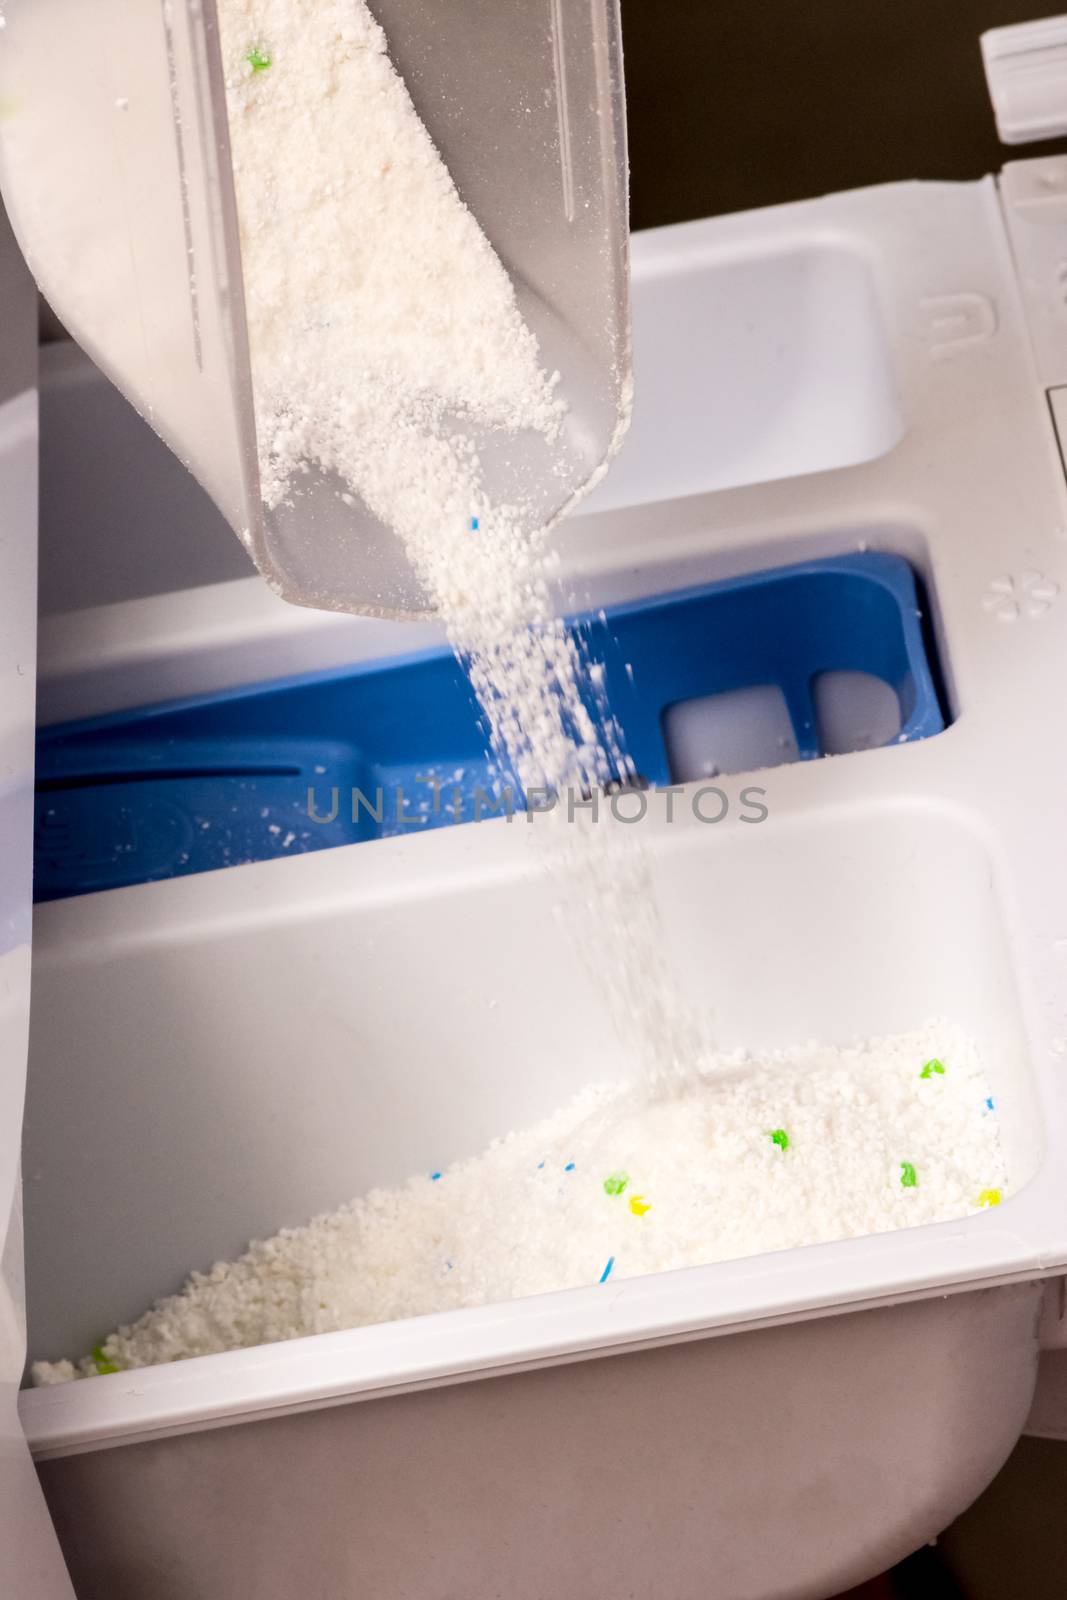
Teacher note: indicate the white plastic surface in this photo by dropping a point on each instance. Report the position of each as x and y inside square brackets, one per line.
[749, 729]
[769, 364]
[120, 517]
[1048, 1413]
[646, 1476]
[883, 888]
[1034, 197]
[1026, 69]
[115, 173]
[30, 1564]
[854, 711]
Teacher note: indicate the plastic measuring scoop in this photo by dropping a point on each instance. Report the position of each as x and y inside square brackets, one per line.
[115, 168]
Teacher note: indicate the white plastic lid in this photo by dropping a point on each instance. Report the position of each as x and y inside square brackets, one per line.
[1026, 69]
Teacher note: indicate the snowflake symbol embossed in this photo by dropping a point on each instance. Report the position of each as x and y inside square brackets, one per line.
[1030, 595]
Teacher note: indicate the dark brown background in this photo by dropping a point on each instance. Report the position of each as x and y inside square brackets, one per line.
[739, 103]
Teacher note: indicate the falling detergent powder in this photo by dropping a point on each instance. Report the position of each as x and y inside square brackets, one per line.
[761, 1154]
[367, 341]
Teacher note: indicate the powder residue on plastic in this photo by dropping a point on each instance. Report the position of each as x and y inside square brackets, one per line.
[546, 1208]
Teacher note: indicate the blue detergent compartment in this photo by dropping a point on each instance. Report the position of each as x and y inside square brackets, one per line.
[250, 774]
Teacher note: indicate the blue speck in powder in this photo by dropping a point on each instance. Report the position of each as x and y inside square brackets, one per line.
[569, 1167]
[606, 1274]
[434, 1176]
[989, 1103]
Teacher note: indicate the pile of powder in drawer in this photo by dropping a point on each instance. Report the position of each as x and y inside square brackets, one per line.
[792, 1149]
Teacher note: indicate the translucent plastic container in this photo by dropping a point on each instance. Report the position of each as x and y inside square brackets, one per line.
[115, 168]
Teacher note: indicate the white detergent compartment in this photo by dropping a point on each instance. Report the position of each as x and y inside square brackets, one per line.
[216, 1056]
[800, 332]
[251, 1070]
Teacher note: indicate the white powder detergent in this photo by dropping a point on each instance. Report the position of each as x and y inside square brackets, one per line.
[790, 1149]
[378, 314]
[380, 320]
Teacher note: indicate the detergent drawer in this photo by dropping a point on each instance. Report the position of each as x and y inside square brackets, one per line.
[214, 1056]
[777, 1464]
[811, 659]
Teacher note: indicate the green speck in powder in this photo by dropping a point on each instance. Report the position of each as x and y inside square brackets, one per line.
[932, 1067]
[779, 1137]
[616, 1183]
[908, 1180]
[103, 1365]
[258, 59]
